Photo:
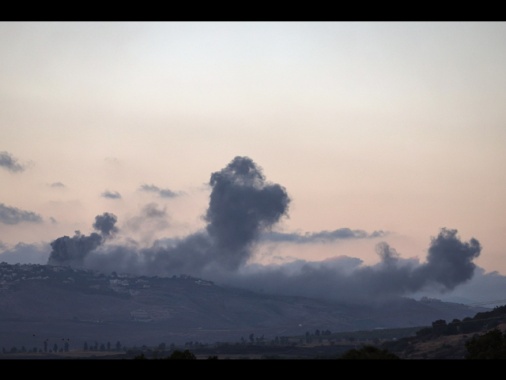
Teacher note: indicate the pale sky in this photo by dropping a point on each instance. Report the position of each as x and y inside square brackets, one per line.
[373, 126]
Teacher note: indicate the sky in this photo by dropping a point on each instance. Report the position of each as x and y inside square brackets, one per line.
[273, 153]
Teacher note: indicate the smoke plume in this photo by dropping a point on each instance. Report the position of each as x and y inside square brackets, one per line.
[71, 251]
[243, 206]
[105, 224]
[449, 264]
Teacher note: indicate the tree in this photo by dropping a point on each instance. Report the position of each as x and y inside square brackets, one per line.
[368, 352]
[182, 355]
[491, 345]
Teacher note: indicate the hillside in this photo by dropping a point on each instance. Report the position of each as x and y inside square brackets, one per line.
[48, 305]
[447, 339]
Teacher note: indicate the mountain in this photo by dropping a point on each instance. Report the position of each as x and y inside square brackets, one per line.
[44, 305]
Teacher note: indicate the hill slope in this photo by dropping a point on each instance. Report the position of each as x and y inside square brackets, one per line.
[58, 304]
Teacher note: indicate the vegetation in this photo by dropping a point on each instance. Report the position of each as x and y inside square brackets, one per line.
[452, 340]
[369, 352]
[175, 355]
[182, 355]
[491, 345]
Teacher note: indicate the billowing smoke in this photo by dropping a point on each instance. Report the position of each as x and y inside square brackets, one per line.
[450, 261]
[105, 224]
[71, 251]
[242, 207]
[449, 264]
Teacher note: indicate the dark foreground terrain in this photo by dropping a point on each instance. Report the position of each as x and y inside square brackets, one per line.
[58, 310]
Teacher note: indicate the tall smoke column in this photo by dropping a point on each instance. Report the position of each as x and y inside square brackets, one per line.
[241, 205]
[72, 251]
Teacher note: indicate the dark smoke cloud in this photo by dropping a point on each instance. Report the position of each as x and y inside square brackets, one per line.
[242, 207]
[450, 261]
[105, 224]
[13, 215]
[320, 237]
[10, 163]
[164, 193]
[449, 264]
[111, 194]
[71, 251]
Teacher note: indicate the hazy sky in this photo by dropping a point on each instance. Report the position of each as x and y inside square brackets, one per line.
[378, 131]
